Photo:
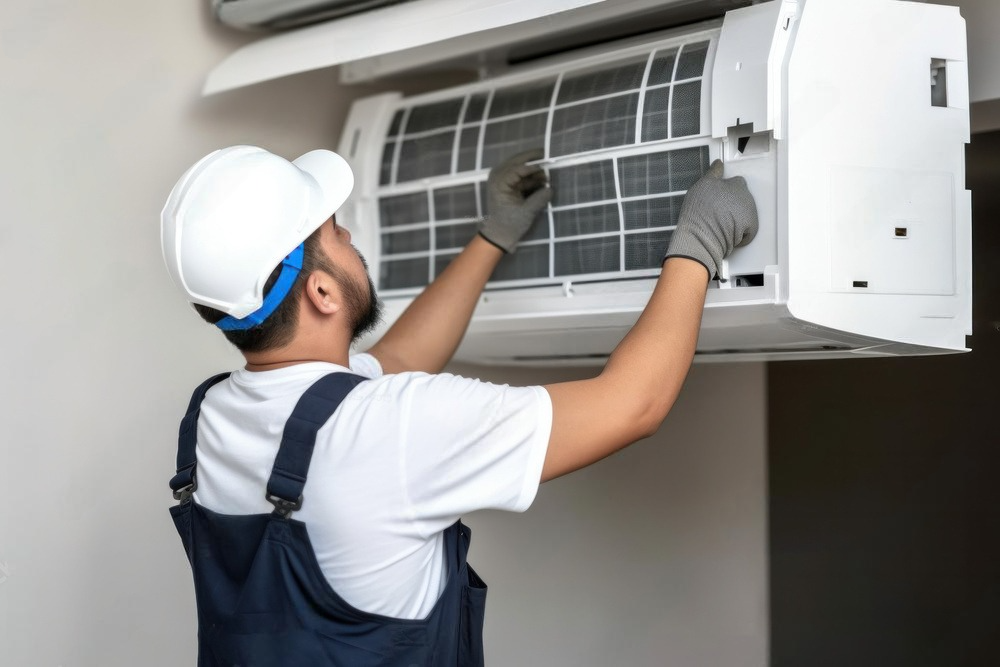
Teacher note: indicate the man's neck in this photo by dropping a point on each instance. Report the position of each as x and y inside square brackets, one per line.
[298, 352]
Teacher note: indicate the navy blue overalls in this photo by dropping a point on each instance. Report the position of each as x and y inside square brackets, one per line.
[262, 598]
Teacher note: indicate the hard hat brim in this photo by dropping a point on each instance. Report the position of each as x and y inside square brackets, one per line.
[335, 180]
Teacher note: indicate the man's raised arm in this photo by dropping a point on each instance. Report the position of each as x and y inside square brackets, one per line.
[628, 401]
[426, 335]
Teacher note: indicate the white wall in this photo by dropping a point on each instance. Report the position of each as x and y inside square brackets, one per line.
[654, 557]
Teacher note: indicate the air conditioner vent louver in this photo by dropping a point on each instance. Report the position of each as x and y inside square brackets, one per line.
[611, 214]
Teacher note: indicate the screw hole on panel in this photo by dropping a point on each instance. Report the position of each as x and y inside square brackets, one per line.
[861, 283]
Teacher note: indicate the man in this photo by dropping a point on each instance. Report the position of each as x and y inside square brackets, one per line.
[321, 491]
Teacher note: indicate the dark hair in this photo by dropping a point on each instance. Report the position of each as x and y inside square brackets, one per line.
[279, 328]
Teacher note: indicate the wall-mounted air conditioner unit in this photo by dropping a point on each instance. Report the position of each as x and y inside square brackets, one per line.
[848, 118]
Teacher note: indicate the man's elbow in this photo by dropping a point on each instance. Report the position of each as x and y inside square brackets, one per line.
[640, 408]
[647, 427]
[650, 415]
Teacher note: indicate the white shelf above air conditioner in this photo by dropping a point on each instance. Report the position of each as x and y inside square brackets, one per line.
[848, 119]
[421, 33]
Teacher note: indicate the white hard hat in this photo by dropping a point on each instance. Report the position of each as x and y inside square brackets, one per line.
[237, 213]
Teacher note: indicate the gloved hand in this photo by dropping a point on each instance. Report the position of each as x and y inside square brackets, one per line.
[717, 216]
[515, 193]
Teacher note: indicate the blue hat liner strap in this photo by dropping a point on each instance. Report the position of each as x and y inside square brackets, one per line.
[290, 267]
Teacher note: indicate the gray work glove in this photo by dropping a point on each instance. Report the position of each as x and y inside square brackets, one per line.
[515, 193]
[717, 216]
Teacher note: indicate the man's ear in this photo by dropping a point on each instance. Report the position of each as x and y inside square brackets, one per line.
[323, 292]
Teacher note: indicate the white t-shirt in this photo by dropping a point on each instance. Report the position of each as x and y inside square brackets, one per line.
[403, 458]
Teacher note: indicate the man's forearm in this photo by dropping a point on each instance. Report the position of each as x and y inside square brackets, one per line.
[426, 335]
[594, 418]
[656, 354]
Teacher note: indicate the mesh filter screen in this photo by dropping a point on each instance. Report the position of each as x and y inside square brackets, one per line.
[589, 220]
[509, 137]
[692, 61]
[643, 251]
[662, 69]
[425, 156]
[528, 262]
[402, 242]
[614, 206]
[603, 81]
[509, 101]
[476, 107]
[657, 173]
[592, 125]
[467, 147]
[455, 203]
[591, 181]
[403, 273]
[598, 255]
[454, 236]
[685, 109]
[433, 116]
[403, 209]
[645, 213]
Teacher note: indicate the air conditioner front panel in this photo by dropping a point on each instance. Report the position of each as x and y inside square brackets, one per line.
[624, 135]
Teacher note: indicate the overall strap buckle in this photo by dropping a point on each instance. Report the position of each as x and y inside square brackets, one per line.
[291, 464]
[184, 484]
[282, 507]
[184, 494]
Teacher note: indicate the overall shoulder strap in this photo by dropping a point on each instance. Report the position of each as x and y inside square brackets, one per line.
[183, 483]
[291, 465]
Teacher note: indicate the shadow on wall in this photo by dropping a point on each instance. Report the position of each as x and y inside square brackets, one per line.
[884, 507]
[654, 556]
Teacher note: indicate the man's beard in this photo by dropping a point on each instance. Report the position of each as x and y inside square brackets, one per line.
[367, 318]
[365, 308]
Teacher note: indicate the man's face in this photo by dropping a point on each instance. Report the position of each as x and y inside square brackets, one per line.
[350, 270]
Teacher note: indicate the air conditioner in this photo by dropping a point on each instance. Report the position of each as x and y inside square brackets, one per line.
[848, 119]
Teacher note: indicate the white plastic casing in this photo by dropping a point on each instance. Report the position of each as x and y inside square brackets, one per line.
[858, 172]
